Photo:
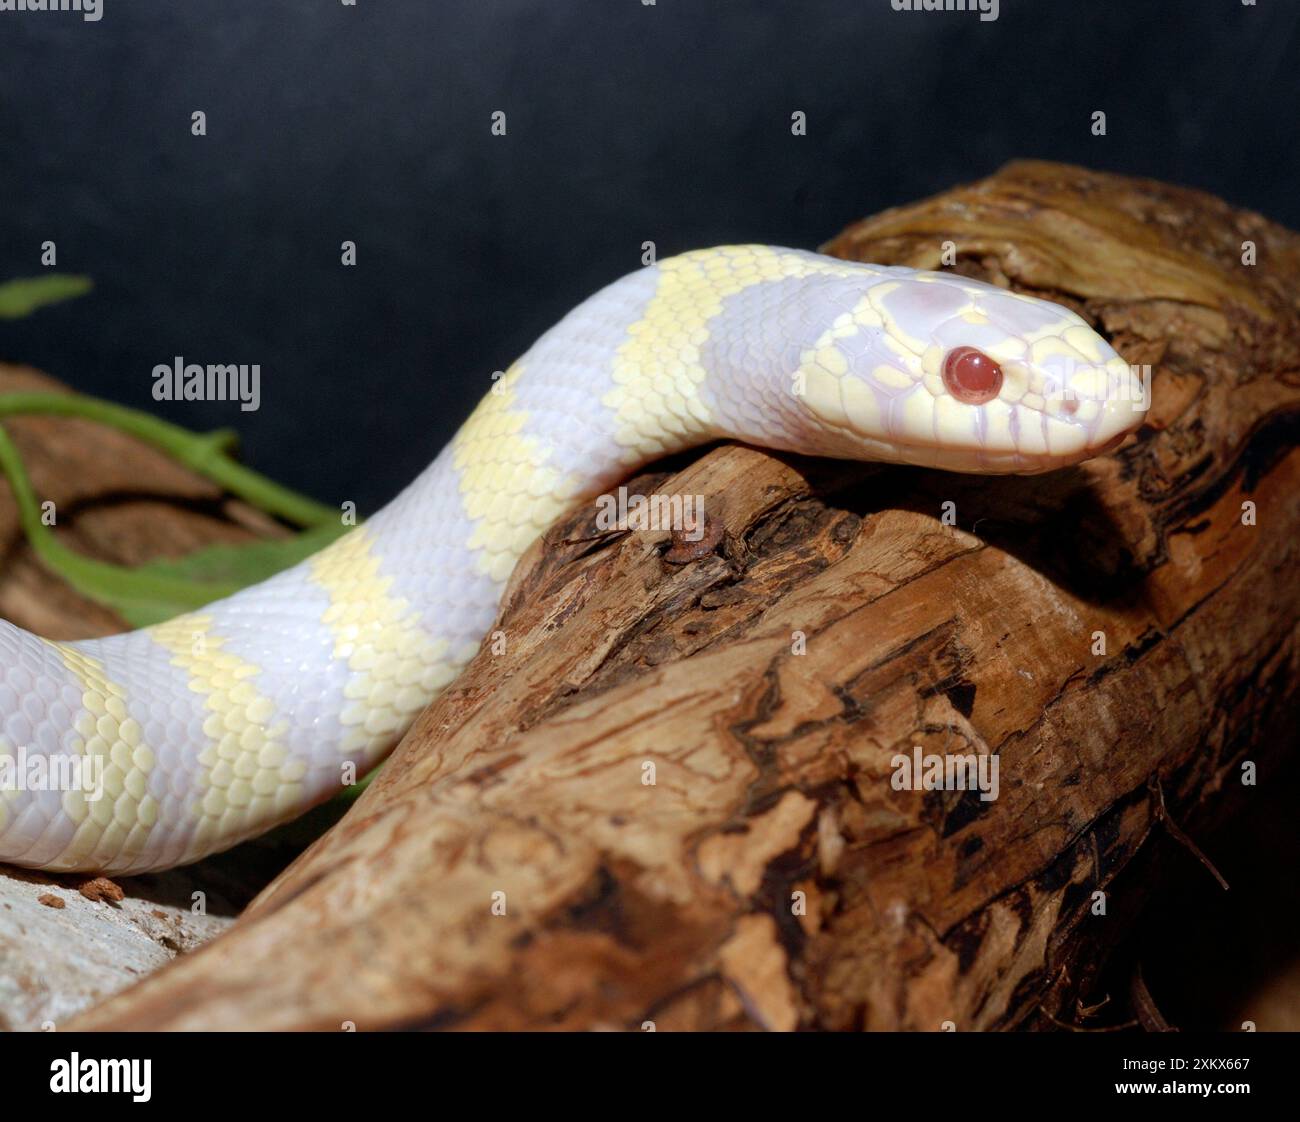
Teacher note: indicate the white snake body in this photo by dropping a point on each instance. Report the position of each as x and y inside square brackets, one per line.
[215, 726]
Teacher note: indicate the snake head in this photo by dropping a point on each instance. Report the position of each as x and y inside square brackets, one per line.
[943, 371]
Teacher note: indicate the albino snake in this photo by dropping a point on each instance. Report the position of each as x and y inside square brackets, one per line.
[213, 727]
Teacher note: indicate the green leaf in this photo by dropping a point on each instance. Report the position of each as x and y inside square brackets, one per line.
[220, 570]
[19, 298]
[205, 453]
[242, 565]
[159, 590]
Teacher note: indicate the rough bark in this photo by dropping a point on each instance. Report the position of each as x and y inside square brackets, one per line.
[62, 949]
[771, 876]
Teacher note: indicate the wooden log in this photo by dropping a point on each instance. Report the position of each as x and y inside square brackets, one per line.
[662, 792]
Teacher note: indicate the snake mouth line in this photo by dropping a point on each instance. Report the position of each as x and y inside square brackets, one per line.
[1109, 446]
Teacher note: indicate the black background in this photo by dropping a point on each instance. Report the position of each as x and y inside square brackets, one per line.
[626, 123]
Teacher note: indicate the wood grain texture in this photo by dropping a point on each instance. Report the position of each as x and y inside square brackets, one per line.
[514, 868]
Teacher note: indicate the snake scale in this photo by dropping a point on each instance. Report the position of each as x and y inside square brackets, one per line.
[208, 729]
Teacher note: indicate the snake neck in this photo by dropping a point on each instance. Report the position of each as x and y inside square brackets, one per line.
[219, 724]
[698, 347]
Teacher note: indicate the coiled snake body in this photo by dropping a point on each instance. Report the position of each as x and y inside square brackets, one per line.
[215, 726]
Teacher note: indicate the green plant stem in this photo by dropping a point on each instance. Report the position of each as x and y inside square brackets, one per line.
[85, 573]
[19, 298]
[204, 453]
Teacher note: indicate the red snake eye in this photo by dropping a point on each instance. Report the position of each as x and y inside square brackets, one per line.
[971, 376]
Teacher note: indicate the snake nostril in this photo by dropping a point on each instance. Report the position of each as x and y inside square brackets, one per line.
[1069, 407]
[971, 376]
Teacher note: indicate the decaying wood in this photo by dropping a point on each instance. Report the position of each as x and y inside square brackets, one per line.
[663, 792]
[62, 948]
